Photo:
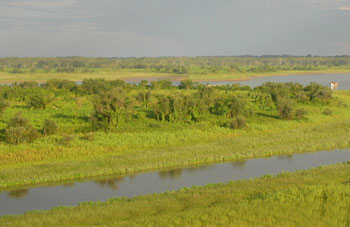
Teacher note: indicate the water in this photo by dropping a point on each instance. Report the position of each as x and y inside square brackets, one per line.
[324, 79]
[43, 198]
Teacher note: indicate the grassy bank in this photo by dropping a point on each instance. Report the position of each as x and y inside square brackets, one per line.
[317, 197]
[134, 74]
[149, 144]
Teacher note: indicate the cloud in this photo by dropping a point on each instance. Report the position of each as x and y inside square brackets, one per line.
[344, 8]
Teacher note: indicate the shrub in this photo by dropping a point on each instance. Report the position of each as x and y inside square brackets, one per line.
[3, 106]
[285, 108]
[300, 114]
[238, 123]
[327, 111]
[88, 137]
[186, 84]
[65, 140]
[39, 100]
[50, 127]
[19, 131]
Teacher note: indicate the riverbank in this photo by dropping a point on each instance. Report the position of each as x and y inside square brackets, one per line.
[172, 145]
[138, 75]
[316, 197]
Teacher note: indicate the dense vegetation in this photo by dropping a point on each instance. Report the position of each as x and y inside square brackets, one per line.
[177, 65]
[61, 130]
[317, 197]
[195, 68]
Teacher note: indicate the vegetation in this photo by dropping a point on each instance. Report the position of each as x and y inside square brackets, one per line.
[112, 127]
[191, 68]
[317, 197]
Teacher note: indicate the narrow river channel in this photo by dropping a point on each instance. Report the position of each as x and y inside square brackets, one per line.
[44, 198]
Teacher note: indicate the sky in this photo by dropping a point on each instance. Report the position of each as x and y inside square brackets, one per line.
[135, 28]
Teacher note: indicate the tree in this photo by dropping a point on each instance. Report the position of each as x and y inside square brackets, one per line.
[20, 131]
[111, 109]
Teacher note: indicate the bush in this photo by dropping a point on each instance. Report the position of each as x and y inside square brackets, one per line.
[50, 127]
[3, 106]
[39, 100]
[88, 137]
[19, 131]
[300, 114]
[65, 140]
[327, 111]
[285, 109]
[238, 123]
[186, 84]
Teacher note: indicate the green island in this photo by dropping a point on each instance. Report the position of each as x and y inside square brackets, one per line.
[53, 129]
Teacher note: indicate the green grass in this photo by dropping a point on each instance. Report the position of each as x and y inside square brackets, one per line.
[148, 144]
[134, 74]
[316, 197]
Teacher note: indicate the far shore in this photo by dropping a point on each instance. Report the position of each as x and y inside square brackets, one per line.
[6, 78]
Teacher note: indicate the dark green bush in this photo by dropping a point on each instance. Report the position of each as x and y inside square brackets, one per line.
[300, 114]
[50, 127]
[186, 84]
[327, 111]
[66, 140]
[238, 122]
[40, 99]
[19, 131]
[3, 106]
[285, 109]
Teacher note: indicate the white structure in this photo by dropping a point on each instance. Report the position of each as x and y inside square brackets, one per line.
[334, 85]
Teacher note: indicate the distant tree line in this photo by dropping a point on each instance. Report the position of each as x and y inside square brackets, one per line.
[176, 65]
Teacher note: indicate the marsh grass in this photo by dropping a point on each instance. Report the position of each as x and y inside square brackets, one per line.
[316, 197]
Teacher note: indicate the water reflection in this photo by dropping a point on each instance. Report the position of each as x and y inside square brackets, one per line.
[18, 194]
[110, 183]
[238, 164]
[171, 174]
[286, 157]
[69, 185]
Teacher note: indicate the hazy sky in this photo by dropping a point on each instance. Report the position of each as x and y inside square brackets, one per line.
[124, 28]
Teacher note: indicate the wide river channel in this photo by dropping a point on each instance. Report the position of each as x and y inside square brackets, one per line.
[43, 198]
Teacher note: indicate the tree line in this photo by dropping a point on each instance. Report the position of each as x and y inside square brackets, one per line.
[176, 65]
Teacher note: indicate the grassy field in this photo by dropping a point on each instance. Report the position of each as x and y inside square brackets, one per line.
[316, 197]
[147, 144]
[135, 74]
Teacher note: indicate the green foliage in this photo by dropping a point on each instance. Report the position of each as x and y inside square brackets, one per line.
[161, 84]
[238, 122]
[300, 114]
[61, 84]
[3, 106]
[50, 127]
[40, 99]
[285, 109]
[186, 84]
[20, 131]
[327, 111]
[111, 109]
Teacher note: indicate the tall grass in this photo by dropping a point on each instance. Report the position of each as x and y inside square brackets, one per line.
[317, 197]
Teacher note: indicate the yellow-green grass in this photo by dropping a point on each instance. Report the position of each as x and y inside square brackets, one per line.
[316, 197]
[164, 145]
[133, 74]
